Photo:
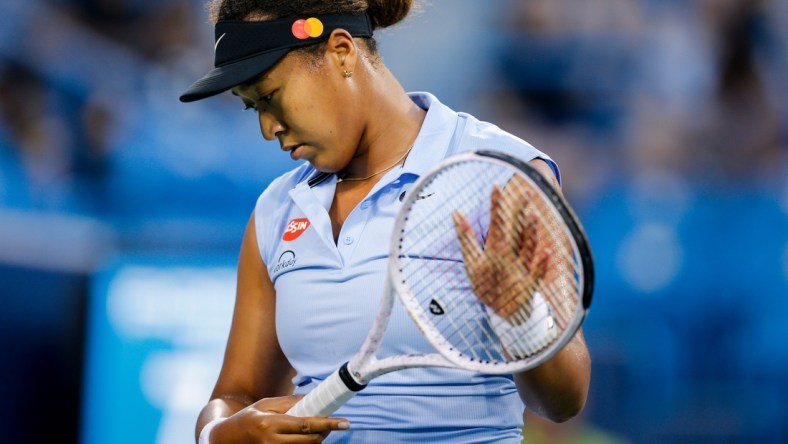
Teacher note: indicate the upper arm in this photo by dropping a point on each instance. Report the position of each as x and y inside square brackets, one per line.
[254, 365]
[546, 170]
[557, 389]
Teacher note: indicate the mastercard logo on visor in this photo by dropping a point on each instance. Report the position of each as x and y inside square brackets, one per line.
[310, 27]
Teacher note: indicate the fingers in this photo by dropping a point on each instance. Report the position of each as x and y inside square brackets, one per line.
[277, 405]
[259, 423]
[505, 272]
[528, 238]
[471, 250]
[292, 429]
[272, 416]
[476, 267]
[313, 425]
[514, 215]
[502, 234]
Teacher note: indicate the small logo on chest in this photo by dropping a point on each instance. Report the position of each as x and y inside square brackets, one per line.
[286, 260]
[294, 229]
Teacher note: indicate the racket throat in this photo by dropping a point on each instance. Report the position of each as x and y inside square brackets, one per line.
[349, 379]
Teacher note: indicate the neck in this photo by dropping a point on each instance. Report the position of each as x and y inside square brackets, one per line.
[344, 177]
[393, 125]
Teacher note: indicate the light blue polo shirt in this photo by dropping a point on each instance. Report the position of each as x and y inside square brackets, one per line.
[327, 296]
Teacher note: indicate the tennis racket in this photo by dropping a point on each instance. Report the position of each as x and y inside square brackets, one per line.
[491, 264]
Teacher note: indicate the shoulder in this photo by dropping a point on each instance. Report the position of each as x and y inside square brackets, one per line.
[278, 190]
[478, 133]
[470, 133]
[462, 132]
[474, 134]
[275, 201]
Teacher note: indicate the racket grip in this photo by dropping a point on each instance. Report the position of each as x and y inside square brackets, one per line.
[328, 396]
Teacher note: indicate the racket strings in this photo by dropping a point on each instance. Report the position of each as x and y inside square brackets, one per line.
[429, 260]
[442, 264]
[446, 245]
[476, 333]
[562, 256]
[535, 227]
[437, 259]
[440, 270]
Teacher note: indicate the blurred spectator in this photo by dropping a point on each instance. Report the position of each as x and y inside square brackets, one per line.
[40, 141]
[163, 32]
[740, 132]
[729, 124]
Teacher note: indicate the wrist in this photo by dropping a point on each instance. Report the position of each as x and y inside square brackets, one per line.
[523, 339]
[205, 433]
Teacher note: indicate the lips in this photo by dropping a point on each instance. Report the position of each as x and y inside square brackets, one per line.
[294, 150]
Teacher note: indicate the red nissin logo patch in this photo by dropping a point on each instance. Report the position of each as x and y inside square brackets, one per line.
[294, 228]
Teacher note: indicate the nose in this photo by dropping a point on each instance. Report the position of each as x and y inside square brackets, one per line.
[270, 126]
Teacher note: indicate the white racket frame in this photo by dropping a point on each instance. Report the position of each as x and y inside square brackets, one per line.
[352, 377]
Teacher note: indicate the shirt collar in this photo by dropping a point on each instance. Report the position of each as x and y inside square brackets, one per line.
[435, 135]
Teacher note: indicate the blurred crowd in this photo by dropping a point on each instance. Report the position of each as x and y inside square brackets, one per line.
[668, 118]
[693, 87]
[91, 125]
[71, 85]
[670, 122]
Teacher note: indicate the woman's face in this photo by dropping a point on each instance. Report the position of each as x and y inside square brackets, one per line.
[310, 108]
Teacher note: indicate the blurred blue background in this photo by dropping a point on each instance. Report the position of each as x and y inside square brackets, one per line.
[122, 210]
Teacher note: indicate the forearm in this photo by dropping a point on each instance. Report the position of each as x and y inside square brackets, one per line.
[557, 389]
[219, 408]
[264, 421]
[226, 401]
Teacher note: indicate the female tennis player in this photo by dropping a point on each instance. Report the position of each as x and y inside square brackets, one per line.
[313, 259]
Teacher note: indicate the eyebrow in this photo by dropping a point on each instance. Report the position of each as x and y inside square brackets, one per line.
[251, 84]
[244, 89]
[254, 80]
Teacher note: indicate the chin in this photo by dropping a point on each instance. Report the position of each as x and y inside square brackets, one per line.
[323, 166]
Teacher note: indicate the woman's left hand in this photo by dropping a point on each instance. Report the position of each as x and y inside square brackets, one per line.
[514, 261]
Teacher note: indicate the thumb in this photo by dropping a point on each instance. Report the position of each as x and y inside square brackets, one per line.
[277, 405]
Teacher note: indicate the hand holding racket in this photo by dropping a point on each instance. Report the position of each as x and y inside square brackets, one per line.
[491, 264]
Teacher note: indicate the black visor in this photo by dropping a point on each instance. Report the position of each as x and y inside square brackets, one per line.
[244, 50]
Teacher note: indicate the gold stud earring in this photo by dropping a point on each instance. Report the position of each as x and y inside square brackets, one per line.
[348, 74]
